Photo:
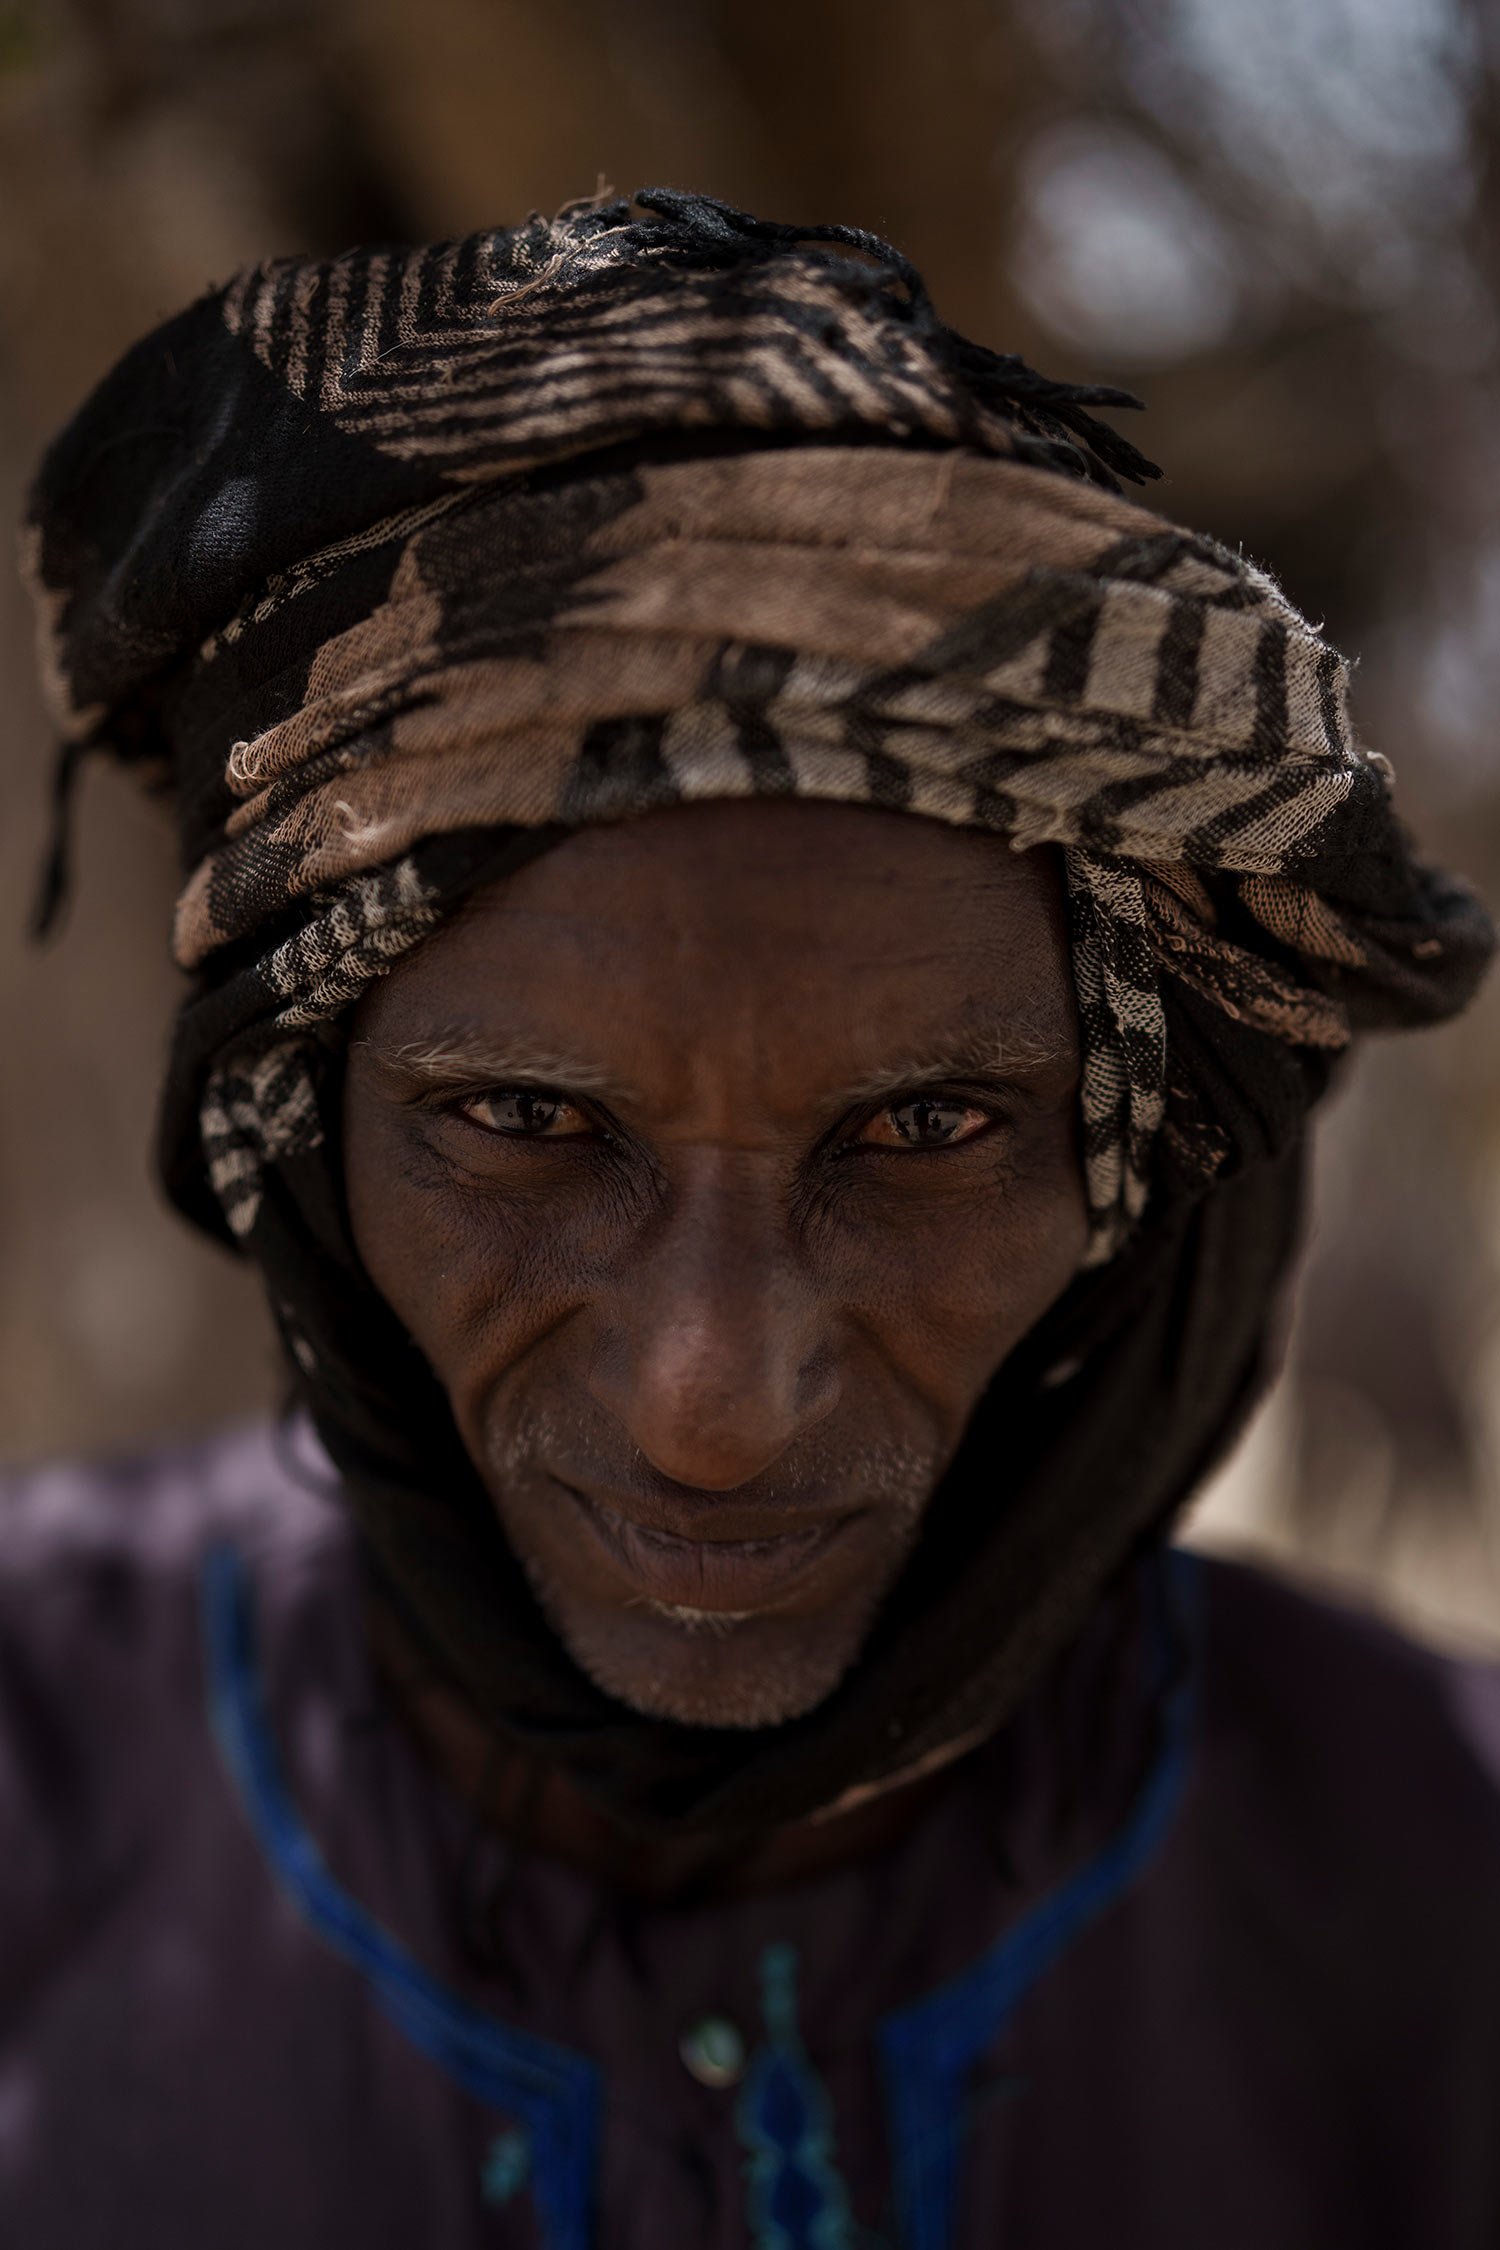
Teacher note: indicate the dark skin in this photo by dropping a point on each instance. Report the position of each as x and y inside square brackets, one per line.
[716, 1160]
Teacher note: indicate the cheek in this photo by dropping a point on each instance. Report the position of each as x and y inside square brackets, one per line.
[950, 1281]
[473, 1270]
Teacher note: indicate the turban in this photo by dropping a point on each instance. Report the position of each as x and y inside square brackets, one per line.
[396, 568]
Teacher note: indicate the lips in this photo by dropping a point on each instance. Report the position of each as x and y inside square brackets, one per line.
[694, 1570]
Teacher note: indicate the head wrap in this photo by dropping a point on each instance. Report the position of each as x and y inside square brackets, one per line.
[396, 568]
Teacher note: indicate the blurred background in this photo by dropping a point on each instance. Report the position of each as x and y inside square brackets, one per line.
[1280, 222]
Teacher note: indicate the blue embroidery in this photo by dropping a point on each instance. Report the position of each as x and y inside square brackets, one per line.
[555, 2094]
[797, 2200]
[929, 2049]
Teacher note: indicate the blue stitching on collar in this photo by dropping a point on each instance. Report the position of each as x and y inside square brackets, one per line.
[553, 2092]
[797, 2199]
[928, 2049]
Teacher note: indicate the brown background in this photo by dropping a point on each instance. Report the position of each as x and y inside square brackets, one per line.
[1281, 223]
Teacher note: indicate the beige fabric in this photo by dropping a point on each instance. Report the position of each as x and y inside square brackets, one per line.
[970, 639]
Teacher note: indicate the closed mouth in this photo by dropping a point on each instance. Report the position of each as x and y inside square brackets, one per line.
[677, 1570]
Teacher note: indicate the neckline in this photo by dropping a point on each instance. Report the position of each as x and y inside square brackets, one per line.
[927, 2050]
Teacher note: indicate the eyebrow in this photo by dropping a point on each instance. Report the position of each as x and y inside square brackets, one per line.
[1012, 1057]
[458, 1057]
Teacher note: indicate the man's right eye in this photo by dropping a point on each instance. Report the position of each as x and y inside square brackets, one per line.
[522, 1113]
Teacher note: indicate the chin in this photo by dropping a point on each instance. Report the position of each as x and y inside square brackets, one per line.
[703, 1668]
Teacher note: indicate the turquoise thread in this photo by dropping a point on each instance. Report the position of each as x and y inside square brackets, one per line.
[785, 2122]
[507, 2166]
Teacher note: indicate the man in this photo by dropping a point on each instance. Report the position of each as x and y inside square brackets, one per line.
[761, 945]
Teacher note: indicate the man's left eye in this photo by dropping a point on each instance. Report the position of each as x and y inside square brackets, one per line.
[927, 1122]
[521, 1114]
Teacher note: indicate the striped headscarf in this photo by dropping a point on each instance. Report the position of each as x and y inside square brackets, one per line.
[398, 567]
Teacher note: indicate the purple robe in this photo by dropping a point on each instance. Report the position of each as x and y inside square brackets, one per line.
[1245, 1996]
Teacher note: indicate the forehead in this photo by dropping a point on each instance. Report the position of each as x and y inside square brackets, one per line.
[806, 922]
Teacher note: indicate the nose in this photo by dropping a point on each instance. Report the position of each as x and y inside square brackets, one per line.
[718, 1353]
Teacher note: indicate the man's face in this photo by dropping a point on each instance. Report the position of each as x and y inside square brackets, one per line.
[716, 1160]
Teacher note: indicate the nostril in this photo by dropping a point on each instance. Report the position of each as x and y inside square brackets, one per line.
[717, 1437]
[721, 1362]
[709, 1455]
